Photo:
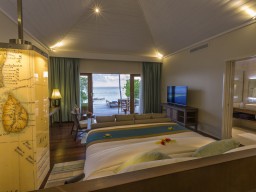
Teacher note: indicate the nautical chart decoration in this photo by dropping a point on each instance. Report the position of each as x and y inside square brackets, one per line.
[24, 118]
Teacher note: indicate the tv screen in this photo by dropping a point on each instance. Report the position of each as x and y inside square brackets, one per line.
[177, 95]
[181, 95]
[170, 94]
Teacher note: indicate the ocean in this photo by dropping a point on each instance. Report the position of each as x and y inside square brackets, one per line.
[102, 94]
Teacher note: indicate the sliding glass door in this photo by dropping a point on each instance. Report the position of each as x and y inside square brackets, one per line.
[108, 90]
[108, 94]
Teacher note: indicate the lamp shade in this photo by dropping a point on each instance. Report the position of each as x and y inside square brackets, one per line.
[56, 94]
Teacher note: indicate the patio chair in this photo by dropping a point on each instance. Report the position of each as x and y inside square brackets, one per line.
[79, 127]
[124, 104]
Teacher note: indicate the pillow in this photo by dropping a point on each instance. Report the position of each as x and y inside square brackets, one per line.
[118, 123]
[246, 138]
[142, 157]
[150, 164]
[101, 125]
[103, 119]
[158, 115]
[216, 148]
[124, 117]
[142, 116]
[159, 120]
[241, 148]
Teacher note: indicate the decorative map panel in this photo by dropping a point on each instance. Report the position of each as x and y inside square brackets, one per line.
[24, 119]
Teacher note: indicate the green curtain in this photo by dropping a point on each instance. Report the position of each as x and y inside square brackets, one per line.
[151, 87]
[64, 74]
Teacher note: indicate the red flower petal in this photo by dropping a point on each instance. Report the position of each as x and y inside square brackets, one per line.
[162, 143]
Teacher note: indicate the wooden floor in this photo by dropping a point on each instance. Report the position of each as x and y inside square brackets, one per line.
[63, 148]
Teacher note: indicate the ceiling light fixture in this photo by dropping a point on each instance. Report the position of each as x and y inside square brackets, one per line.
[59, 44]
[249, 11]
[97, 10]
[159, 55]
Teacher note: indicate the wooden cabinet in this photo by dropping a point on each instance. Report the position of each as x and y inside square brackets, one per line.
[184, 115]
[244, 117]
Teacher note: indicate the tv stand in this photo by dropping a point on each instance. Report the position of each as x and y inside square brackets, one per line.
[183, 115]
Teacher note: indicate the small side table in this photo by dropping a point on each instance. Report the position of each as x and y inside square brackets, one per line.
[52, 111]
[85, 116]
[89, 120]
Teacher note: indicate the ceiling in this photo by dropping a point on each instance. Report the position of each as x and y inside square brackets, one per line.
[129, 27]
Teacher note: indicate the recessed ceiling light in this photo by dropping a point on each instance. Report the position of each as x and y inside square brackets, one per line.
[159, 55]
[97, 10]
[249, 11]
[59, 44]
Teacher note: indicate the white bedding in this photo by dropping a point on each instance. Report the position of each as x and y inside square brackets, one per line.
[103, 158]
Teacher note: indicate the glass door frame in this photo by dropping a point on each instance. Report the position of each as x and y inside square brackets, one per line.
[90, 93]
[132, 99]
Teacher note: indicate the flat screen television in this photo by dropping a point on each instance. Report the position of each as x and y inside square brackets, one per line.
[177, 95]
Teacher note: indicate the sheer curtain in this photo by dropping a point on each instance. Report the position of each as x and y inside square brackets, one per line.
[64, 74]
[151, 87]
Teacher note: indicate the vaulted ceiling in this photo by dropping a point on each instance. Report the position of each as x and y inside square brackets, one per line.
[129, 27]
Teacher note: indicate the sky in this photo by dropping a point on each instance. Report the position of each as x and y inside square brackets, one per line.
[109, 80]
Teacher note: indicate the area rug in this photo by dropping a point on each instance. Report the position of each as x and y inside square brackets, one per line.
[64, 171]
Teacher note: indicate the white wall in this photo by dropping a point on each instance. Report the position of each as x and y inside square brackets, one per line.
[107, 67]
[203, 72]
[9, 30]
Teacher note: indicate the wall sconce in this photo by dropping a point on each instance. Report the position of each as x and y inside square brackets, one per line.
[45, 74]
[56, 96]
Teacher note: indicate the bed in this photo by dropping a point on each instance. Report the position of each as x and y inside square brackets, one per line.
[235, 170]
[108, 149]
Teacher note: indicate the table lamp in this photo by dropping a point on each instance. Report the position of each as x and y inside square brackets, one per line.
[56, 96]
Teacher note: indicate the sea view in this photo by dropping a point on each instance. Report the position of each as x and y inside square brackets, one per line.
[101, 94]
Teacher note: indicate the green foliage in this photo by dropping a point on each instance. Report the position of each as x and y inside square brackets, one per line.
[83, 89]
[136, 88]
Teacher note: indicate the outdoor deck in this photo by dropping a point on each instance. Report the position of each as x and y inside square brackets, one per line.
[102, 109]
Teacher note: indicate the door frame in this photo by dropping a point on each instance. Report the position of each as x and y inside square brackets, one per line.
[132, 98]
[228, 94]
[227, 105]
[90, 93]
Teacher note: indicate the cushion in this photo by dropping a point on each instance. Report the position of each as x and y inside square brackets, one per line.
[246, 138]
[103, 119]
[142, 116]
[142, 157]
[101, 125]
[158, 115]
[159, 120]
[118, 123]
[83, 124]
[242, 148]
[149, 164]
[124, 117]
[216, 148]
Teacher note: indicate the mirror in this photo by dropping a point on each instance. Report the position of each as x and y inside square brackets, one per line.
[238, 87]
[252, 88]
